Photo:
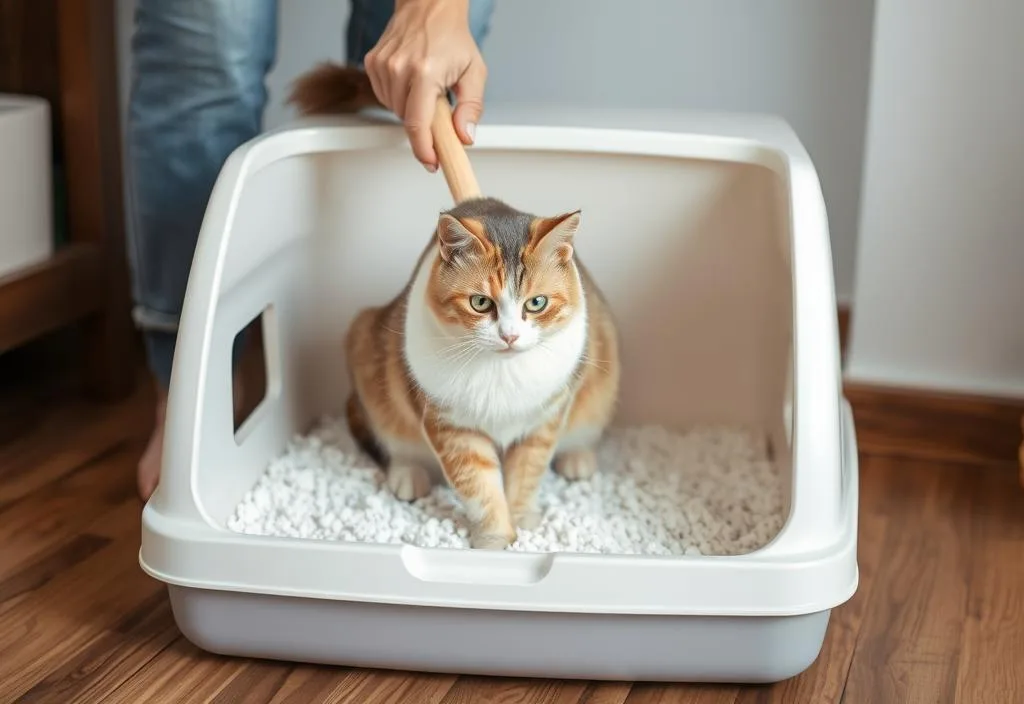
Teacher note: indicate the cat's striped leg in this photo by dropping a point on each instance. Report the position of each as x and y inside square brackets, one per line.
[472, 468]
[524, 467]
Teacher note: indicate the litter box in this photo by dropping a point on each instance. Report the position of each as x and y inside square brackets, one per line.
[708, 235]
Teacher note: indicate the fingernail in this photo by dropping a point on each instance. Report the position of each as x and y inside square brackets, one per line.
[431, 167]
[471, 130]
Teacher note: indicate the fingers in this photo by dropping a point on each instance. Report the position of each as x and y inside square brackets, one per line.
[419, 112]
[410, 87]
[397, 86]
[410, 91]
[374, 64]
[470, 93]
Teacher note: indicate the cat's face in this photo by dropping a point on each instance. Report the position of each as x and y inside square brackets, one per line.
[505, 282]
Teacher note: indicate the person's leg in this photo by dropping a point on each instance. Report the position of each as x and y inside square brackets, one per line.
[480, 13]
[368, 19]
[197, 93]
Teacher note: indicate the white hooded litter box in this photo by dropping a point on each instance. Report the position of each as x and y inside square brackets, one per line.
[709, 237]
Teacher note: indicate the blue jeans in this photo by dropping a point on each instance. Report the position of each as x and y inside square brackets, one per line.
[197, 93]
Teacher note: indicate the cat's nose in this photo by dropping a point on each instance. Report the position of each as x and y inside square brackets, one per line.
[509, 338]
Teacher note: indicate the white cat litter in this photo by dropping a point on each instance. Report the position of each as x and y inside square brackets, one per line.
[709, 491]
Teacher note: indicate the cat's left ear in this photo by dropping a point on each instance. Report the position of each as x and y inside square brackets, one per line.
[456, 238]
[553, 237]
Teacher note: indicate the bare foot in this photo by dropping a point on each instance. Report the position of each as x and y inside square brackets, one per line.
[147, 475]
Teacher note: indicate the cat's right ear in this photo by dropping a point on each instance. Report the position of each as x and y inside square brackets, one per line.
[455, 239]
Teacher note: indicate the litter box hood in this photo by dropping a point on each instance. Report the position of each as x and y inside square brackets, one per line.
[709, 236]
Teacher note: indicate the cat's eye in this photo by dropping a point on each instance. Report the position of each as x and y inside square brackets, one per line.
[537, 304]
[481, 304]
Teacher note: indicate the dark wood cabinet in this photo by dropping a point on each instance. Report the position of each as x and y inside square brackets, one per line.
[66, 52]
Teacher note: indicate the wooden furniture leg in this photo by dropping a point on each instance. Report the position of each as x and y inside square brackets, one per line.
[87, 42]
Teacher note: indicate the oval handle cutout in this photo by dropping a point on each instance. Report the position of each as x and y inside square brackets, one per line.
[464, 566]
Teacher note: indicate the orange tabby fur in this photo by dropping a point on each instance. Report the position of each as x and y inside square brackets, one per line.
[387, 403]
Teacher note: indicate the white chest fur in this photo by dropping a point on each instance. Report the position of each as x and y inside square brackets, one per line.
[503, 395]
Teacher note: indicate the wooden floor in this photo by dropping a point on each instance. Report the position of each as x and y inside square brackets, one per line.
[939, 616]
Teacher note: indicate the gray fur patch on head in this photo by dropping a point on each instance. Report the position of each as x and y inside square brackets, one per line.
[506, 227]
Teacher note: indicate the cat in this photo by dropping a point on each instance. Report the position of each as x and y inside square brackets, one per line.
[498, 359]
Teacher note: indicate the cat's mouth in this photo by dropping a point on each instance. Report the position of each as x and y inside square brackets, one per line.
[509, 350]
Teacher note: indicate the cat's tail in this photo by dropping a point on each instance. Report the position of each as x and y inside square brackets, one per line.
[332, 88]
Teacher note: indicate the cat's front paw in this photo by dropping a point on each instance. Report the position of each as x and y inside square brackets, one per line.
[408, 482]
[577, 464]
[529, 520]
[480, 539]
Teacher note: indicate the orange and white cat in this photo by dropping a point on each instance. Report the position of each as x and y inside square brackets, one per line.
[498, 359]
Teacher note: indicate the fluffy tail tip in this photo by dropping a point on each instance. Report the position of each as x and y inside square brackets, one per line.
[332, 88]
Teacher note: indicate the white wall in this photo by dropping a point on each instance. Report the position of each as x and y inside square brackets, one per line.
[939, 290]
[804, 59]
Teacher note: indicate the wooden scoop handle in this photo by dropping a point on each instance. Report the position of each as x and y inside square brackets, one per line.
[451, 154]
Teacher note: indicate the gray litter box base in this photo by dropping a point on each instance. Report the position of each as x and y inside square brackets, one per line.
[732, 649]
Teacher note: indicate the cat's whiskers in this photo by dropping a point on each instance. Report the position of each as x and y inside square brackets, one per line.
[455, 342]
[457, 350]
[586, 359]
[455, 347]
[461, 355]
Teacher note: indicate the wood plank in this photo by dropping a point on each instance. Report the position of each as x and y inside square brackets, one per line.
[503, 690]
[39, 526]
[389, 687]
[605, 693]
[41, 298]
[992, 645]
[113, 657]
[937, 427]
[909, 647]
[257, 681]
[651, 693]
[55, 623]
[17, 585]
[68, 437]
[309, 683]
[183, 673]
[178, 673]
[992, 650]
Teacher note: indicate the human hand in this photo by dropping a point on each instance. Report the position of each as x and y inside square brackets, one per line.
[426, 49]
